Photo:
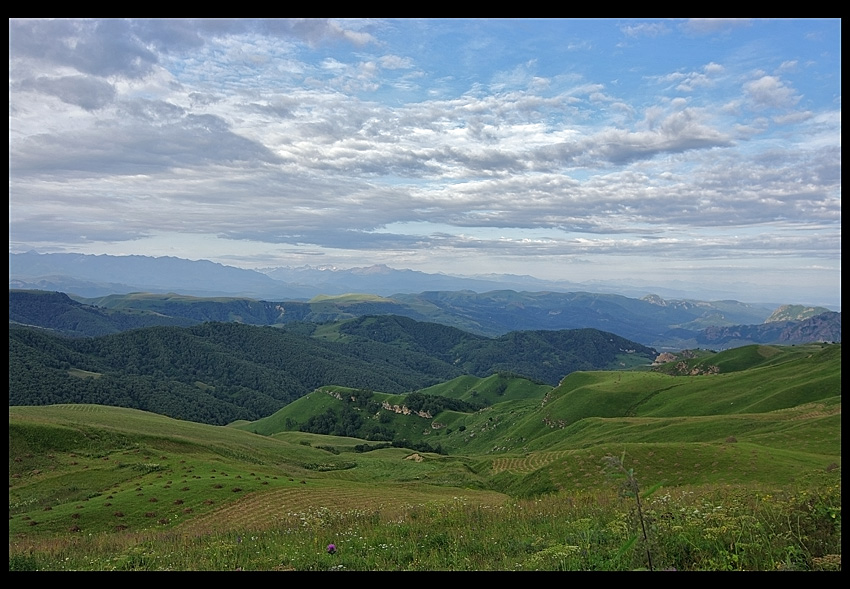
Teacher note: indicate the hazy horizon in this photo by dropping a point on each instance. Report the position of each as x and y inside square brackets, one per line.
[635, 288]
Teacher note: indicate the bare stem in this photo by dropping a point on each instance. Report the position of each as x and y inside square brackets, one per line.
[631, 485]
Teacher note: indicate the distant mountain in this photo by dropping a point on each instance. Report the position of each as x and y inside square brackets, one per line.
[96, 276]
[825, 327]
[57, 312]
[795, 313]
[379, 279]
[383, 280]
[68, 284]
[89, 275]
[651, 321]
[101, 275]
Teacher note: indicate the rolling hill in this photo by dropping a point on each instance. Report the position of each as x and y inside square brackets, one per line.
[732, 392]
[748, 438]
[222, 372]
[652, 321]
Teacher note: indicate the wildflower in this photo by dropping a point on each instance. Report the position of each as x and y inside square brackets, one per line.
[331, 549]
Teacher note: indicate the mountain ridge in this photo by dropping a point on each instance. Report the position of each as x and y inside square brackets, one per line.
[91, 275]
[218, 372]
[655, 322]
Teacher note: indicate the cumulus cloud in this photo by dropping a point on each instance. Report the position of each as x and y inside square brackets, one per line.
[315, 31]
[154, 136]
[695, 80]
[674, 133]
[123, 47]
[714, 68]
[770, 92]
[395, 62]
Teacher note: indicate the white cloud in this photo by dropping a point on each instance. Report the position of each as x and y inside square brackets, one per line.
[645, 29]
[296, 134]
[714, 69]
[770, 92]
[695, 80]
[708, 26]
[395, 62]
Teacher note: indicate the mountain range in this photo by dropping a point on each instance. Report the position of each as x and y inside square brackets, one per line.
[651, 321]
[440, 393]
[100, 275]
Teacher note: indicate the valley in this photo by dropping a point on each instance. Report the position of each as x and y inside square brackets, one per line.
[110, 488]
[165, 432]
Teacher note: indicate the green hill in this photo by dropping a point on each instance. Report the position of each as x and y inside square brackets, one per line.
[748, 456]
[222, 372]
[758, 385]
[57, 312]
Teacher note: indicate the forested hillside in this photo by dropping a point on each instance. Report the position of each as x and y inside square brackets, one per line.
[57, 312]
[221, 372]
[213, 373]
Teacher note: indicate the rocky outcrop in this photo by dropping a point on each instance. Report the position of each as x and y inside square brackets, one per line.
[404, 410]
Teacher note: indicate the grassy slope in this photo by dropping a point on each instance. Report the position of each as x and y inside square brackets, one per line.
[769, 424]
[493, 389]
[529, 416]
[81, 465]
[783, 425]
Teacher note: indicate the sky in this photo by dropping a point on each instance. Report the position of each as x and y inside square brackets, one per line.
[646, 151]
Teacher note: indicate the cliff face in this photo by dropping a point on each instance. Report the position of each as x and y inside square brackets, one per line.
[825, 327]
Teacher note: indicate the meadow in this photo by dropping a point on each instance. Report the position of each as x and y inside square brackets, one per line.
[526, 484]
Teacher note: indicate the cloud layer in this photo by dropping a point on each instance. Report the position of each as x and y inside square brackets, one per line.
[431, 144]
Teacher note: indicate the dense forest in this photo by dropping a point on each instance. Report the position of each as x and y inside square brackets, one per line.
[347, 419]
[57, 312]
[221, 372]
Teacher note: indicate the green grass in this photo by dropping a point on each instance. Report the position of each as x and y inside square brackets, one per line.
[349, 298]
[490, 390]
[748, 462]
[707, 528]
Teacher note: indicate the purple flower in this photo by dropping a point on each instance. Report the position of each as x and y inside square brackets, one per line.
[331, 548]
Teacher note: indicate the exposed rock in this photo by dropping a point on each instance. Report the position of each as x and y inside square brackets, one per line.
[404, 410]
[795, 313]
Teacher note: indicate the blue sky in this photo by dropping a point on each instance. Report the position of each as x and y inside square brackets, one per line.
[705, 152]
